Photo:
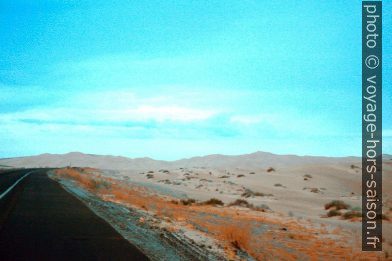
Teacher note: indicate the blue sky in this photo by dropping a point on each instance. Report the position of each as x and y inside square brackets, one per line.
[174, 79]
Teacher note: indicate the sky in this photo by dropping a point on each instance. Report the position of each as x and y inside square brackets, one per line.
[174, 79]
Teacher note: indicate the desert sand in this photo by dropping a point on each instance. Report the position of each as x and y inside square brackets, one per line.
[288, 185]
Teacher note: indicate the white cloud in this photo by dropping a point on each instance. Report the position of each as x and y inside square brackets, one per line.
[167, 113]
[116, 115]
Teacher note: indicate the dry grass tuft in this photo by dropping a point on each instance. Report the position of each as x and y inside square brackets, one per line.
[238, 236]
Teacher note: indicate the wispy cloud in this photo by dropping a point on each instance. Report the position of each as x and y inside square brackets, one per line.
[164, 113]
[84, 116]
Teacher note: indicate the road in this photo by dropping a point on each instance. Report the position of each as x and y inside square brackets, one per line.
[39, 220]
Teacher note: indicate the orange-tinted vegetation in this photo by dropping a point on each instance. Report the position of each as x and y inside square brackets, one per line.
[262, 235]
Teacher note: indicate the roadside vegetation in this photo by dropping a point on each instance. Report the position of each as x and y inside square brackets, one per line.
[240, 227]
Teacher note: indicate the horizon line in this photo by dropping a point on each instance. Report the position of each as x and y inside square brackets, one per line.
[185, 158]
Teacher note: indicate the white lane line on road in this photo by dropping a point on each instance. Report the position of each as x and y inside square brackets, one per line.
[16, 183]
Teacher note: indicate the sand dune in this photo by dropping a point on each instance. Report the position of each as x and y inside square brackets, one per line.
[247, 161]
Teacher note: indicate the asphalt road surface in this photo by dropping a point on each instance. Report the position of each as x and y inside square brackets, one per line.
[39, 220]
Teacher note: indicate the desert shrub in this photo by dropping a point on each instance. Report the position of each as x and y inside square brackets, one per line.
[150, 172]
[213, 201]
[262, 207]
[188, 201]
[249, 193]
[240, 202]
[337, 204]
[240, 175]
[352, 214]
[165, 181]
[224, 177]
[278, 185]
[246, 204]
[150, 176]
[270, 169]
[314, 190]
[333, 213]
[252, 172]
[308, 176]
